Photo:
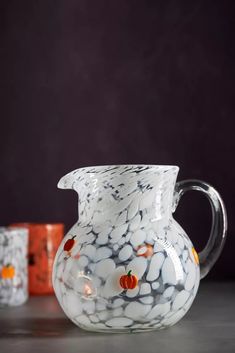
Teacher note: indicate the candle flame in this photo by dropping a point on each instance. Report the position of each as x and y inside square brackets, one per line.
[87, 290]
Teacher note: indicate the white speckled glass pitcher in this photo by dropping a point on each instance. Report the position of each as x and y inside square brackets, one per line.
[127, 265]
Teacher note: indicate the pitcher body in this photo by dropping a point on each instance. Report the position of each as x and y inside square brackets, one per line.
[126, 265]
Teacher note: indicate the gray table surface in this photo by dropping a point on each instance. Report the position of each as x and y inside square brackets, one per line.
[40, 326]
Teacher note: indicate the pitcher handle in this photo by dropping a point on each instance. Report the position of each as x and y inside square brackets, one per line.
[209, 255]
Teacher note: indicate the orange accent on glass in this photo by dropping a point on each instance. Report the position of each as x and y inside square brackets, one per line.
[195, 255]
[44, 240]
[8, 272]
[148, 252]
[69, 244]
[77, 256]
[128, 281]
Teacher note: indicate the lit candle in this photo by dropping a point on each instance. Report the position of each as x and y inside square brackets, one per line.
[87, 290]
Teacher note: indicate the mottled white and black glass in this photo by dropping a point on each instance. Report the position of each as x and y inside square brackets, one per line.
[13, 266]
[127, 265]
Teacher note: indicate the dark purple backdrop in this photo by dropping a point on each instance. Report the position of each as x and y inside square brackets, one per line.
[105, 82]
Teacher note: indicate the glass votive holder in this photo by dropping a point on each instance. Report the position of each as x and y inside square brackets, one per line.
[44, 240]
[13, 266]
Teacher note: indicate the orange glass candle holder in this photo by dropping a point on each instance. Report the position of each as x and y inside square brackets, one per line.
[44, 240]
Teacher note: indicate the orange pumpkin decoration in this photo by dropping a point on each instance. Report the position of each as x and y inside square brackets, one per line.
[8, 272]
[147, 250]
[69, 244]
[128, 281]
[195, 255]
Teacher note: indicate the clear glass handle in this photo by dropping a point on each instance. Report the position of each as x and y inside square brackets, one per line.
[209, 255]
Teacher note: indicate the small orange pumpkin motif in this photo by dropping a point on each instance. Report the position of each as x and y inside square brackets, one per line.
[145, 250]
[128, 281]
[69, 244]
[8, 272]
[195, 255]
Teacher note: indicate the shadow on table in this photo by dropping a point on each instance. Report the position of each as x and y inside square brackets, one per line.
[39, 327]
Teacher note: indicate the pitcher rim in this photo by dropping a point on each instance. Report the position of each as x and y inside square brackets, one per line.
[128, 165]
[69, 177]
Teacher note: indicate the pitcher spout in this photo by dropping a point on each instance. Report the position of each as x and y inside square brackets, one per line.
[68, 181]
